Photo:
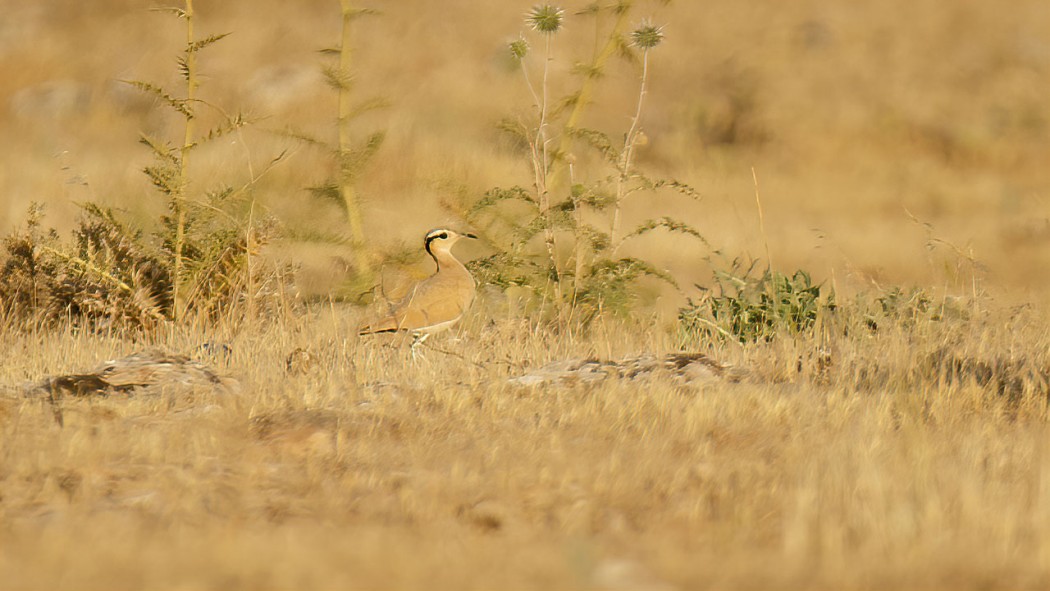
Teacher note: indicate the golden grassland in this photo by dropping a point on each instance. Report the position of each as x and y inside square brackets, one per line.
[895, 143]
[373, 470]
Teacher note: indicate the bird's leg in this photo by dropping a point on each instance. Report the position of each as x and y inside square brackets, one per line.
[417, 341]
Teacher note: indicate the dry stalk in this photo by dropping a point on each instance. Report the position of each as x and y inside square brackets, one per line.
[179, 197]
[346, 186]
[627, 155]
[540, 159]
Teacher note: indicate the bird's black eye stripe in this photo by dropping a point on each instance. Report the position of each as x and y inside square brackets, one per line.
[432, 237]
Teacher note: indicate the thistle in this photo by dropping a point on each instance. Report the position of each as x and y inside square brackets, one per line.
[545, 19]
[586, 276]
[647, 36]
[519, 49]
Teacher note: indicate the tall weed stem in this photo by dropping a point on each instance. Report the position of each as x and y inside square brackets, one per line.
[179, 199]
[627, 155]
[346, 185]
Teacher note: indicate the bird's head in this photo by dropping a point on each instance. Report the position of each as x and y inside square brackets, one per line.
[443, 239]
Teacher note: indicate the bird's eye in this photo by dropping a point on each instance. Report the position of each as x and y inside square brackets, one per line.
[442, 235]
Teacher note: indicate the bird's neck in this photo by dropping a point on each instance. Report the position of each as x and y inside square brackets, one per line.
[446, 262]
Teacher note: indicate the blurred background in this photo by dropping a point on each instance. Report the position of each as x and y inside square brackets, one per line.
[895, 142]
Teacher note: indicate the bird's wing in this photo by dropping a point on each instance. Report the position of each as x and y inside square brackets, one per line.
[432, 302]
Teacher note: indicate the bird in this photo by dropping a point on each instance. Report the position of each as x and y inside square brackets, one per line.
[437, 302]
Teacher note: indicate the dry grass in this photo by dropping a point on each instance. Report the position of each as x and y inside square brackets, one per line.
[372, 470]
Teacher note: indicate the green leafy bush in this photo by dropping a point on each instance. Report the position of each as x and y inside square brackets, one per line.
[747, 306]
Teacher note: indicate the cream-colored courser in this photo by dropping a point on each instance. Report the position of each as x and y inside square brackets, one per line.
[437, 302]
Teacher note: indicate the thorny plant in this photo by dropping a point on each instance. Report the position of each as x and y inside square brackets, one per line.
[202, 260]
[350, 157]
[579, 272]
[103, 278]
[212, 238]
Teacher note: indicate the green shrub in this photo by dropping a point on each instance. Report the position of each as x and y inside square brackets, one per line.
[748, 306]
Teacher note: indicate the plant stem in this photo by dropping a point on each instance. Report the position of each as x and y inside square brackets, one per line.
[578, 245]
[583, 98]
[346, 185]
[773, 287]
[179, 198]
[249, 250]
[541, 170]
[627, 156]
[761, 219]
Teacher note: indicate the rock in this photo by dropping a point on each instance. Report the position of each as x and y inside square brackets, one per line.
[150, 369]
[682, 368]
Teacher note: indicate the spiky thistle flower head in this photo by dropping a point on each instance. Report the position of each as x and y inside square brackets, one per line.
[545, 18]
[519, 48]
[647, 36]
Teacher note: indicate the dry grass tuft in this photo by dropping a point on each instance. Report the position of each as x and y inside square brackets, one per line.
[884, 468]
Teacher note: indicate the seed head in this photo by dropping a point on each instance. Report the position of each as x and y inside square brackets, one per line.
[519, 49]
[545, 18]
[647, 36]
